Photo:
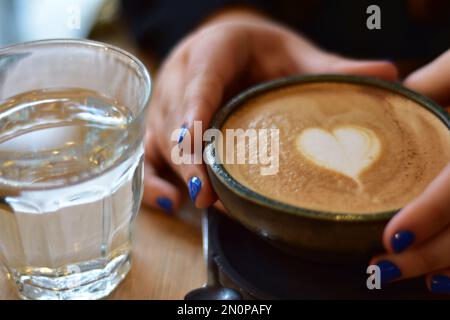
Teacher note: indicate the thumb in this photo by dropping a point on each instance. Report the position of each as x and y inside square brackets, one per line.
[379, 69]
[311, 59]
[323, 62]
[432, 80]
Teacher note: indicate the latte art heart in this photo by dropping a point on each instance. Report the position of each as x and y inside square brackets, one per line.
[348, 150]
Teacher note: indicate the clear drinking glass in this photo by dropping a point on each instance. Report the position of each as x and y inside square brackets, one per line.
[71, 165]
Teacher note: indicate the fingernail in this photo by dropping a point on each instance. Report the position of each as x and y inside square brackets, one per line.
[402, 240]
[195, 185]
[183, 132]
[389, 271]
[440, 284]
[165, 204]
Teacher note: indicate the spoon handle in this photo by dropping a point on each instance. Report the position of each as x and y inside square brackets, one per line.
[211, 266]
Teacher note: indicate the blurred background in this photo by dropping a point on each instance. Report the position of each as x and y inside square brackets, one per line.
[101, 20]
[414, 32]
[25, 20]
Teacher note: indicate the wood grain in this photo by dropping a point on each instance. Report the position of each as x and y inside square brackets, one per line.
[167, 258]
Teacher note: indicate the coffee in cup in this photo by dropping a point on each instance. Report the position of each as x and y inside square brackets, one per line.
[343, 147]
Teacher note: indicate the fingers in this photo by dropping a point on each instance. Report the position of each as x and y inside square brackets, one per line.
[431, 256]
[218, 204]
[310, 59]
[423, 218]
[200, 189]
[212, 66]
[417, 238]
[151, 151]
[192, 170]
[379, 69]
[159, 193]
[432, 80]
[439, 282]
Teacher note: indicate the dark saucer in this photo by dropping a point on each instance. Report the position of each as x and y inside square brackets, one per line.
[261, 271]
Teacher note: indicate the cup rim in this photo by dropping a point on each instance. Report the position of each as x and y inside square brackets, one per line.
[86, 42]
[242, 191]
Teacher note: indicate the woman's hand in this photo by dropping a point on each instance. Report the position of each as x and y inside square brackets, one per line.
[224, 56]
[418, 238]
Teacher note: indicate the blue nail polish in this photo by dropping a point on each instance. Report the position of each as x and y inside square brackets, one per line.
[402, 240]
[195, 185]
[183, 132]
[389, 271]
[165, 204]
[440, 284]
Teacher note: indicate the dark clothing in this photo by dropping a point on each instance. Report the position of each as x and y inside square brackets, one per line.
[338, 26]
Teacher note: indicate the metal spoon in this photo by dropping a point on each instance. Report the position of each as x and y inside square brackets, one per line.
[212, 290]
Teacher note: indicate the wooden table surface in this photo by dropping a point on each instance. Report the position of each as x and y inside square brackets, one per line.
[167, 258]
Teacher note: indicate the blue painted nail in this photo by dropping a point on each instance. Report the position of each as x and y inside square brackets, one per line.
[402, 240]
[183, 132]
[440, 284]
[195, 185]
[389, 271]
[165, 204]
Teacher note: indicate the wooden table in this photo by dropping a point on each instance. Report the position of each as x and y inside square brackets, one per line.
[167, 258]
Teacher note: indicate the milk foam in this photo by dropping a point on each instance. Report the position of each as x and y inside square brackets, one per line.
[344, 148]
[347, 150]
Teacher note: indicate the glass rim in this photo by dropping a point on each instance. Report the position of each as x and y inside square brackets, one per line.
[142, 70]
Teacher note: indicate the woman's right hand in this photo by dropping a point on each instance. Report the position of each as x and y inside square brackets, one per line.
[227, 54]
[417, 239]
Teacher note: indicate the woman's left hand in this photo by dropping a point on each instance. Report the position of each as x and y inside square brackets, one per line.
[417, 239]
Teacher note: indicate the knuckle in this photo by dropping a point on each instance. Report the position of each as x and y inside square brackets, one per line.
[441, 215]
[206, 86]
[197, 98]
[203, 73]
